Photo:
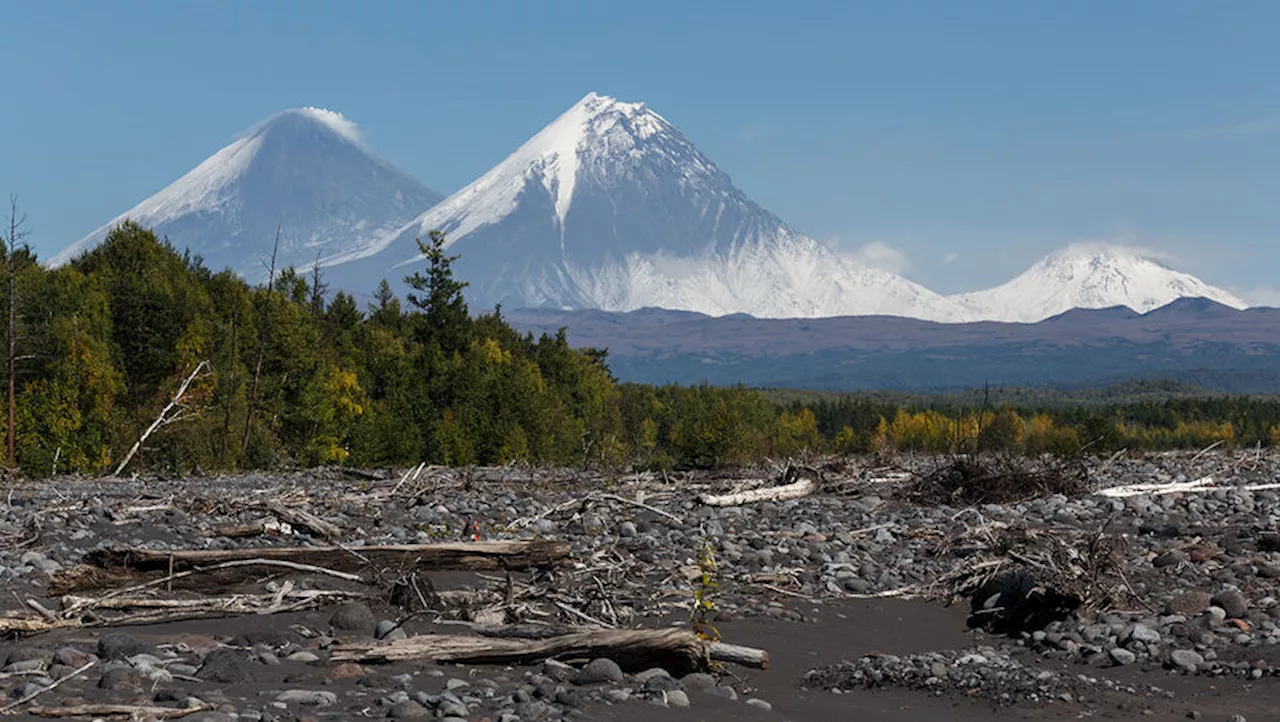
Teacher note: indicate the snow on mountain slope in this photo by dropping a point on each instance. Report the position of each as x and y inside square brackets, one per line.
[305, 170]
[1089, 275]
[612, 207]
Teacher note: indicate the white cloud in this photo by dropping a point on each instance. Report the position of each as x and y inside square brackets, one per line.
[1261, 296]
[337, 121]
[951, 257]
[1123, 243]
[878, 254]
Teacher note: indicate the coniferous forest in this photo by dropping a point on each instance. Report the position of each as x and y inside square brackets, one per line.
[287, 374]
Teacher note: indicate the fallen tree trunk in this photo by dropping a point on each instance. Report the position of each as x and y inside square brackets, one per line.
[131, 711]
[306, 521]
[679, 651]
[110, 567]
[794, 490]
[473, 556]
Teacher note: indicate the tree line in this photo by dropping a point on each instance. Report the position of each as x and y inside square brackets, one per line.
[136, 352]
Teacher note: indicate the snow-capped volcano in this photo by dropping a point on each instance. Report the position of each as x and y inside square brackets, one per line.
[612, 207]
[1090, 275]
[305, 170]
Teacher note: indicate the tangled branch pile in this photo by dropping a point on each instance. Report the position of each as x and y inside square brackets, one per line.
[975, 480]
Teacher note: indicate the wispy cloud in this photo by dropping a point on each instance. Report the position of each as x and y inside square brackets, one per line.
[1261, 296]
[951, 257]
[878, 254]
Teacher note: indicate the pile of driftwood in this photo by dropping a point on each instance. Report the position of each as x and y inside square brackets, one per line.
[132, 586]
[139, 583]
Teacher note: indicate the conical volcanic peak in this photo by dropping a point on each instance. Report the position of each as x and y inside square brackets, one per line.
[305, 171]
[611, 206]
[1090, 275]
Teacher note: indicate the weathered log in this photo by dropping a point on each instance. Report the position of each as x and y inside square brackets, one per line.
[306, 521]
[475, 556]
[217, 568]
[240, 530]
[794, 490]
[737, 654]
[31, 623]
[678, 651]
[131, 711]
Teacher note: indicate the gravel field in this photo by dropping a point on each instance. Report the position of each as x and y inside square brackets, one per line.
[871, 603]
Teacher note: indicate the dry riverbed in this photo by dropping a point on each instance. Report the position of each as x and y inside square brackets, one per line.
[860, 594]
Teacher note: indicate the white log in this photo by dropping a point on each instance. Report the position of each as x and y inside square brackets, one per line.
[794, 490]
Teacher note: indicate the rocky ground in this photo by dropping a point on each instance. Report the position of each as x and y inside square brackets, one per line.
[861, 594]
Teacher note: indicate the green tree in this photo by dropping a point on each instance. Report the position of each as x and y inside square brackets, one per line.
[445, 318]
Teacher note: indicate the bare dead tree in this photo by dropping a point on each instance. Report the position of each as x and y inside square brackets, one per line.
[231, 377]
[264, 333]
[318, 288]
[171, 413]
[15, 236]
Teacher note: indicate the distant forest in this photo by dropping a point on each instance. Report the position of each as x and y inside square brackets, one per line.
[135, 340]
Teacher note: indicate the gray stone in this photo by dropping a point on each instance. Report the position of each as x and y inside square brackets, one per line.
[627, 529]
[618, 696]
[759, 703]
[353, 617]
[452, 708]
[725, 692]
[599, 670]
[557, 670]
[648, 674]
[120, 679]
[409, 710]
[1143, 633]
[1186, 659]
[678, 698]
[1189, 604]
[384, 628]
[1233, 603]
[1123, 656]
[26, 665]
[116, 645]
[698, 681]
[225, 666]
[308, 697]
[72, 657]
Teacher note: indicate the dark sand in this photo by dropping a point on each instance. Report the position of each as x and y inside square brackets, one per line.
[849, 629]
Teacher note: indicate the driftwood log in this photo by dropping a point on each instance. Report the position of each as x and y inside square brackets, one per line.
[104, 568]
[794, 490]
[129, 711]
[306, 521]
[679, 651]
[473, 556]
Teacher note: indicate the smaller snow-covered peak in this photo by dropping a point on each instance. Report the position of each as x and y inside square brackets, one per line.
[1091, 275]
[304, 170]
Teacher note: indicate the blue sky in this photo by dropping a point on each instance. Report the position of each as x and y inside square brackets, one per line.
[964, 139]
